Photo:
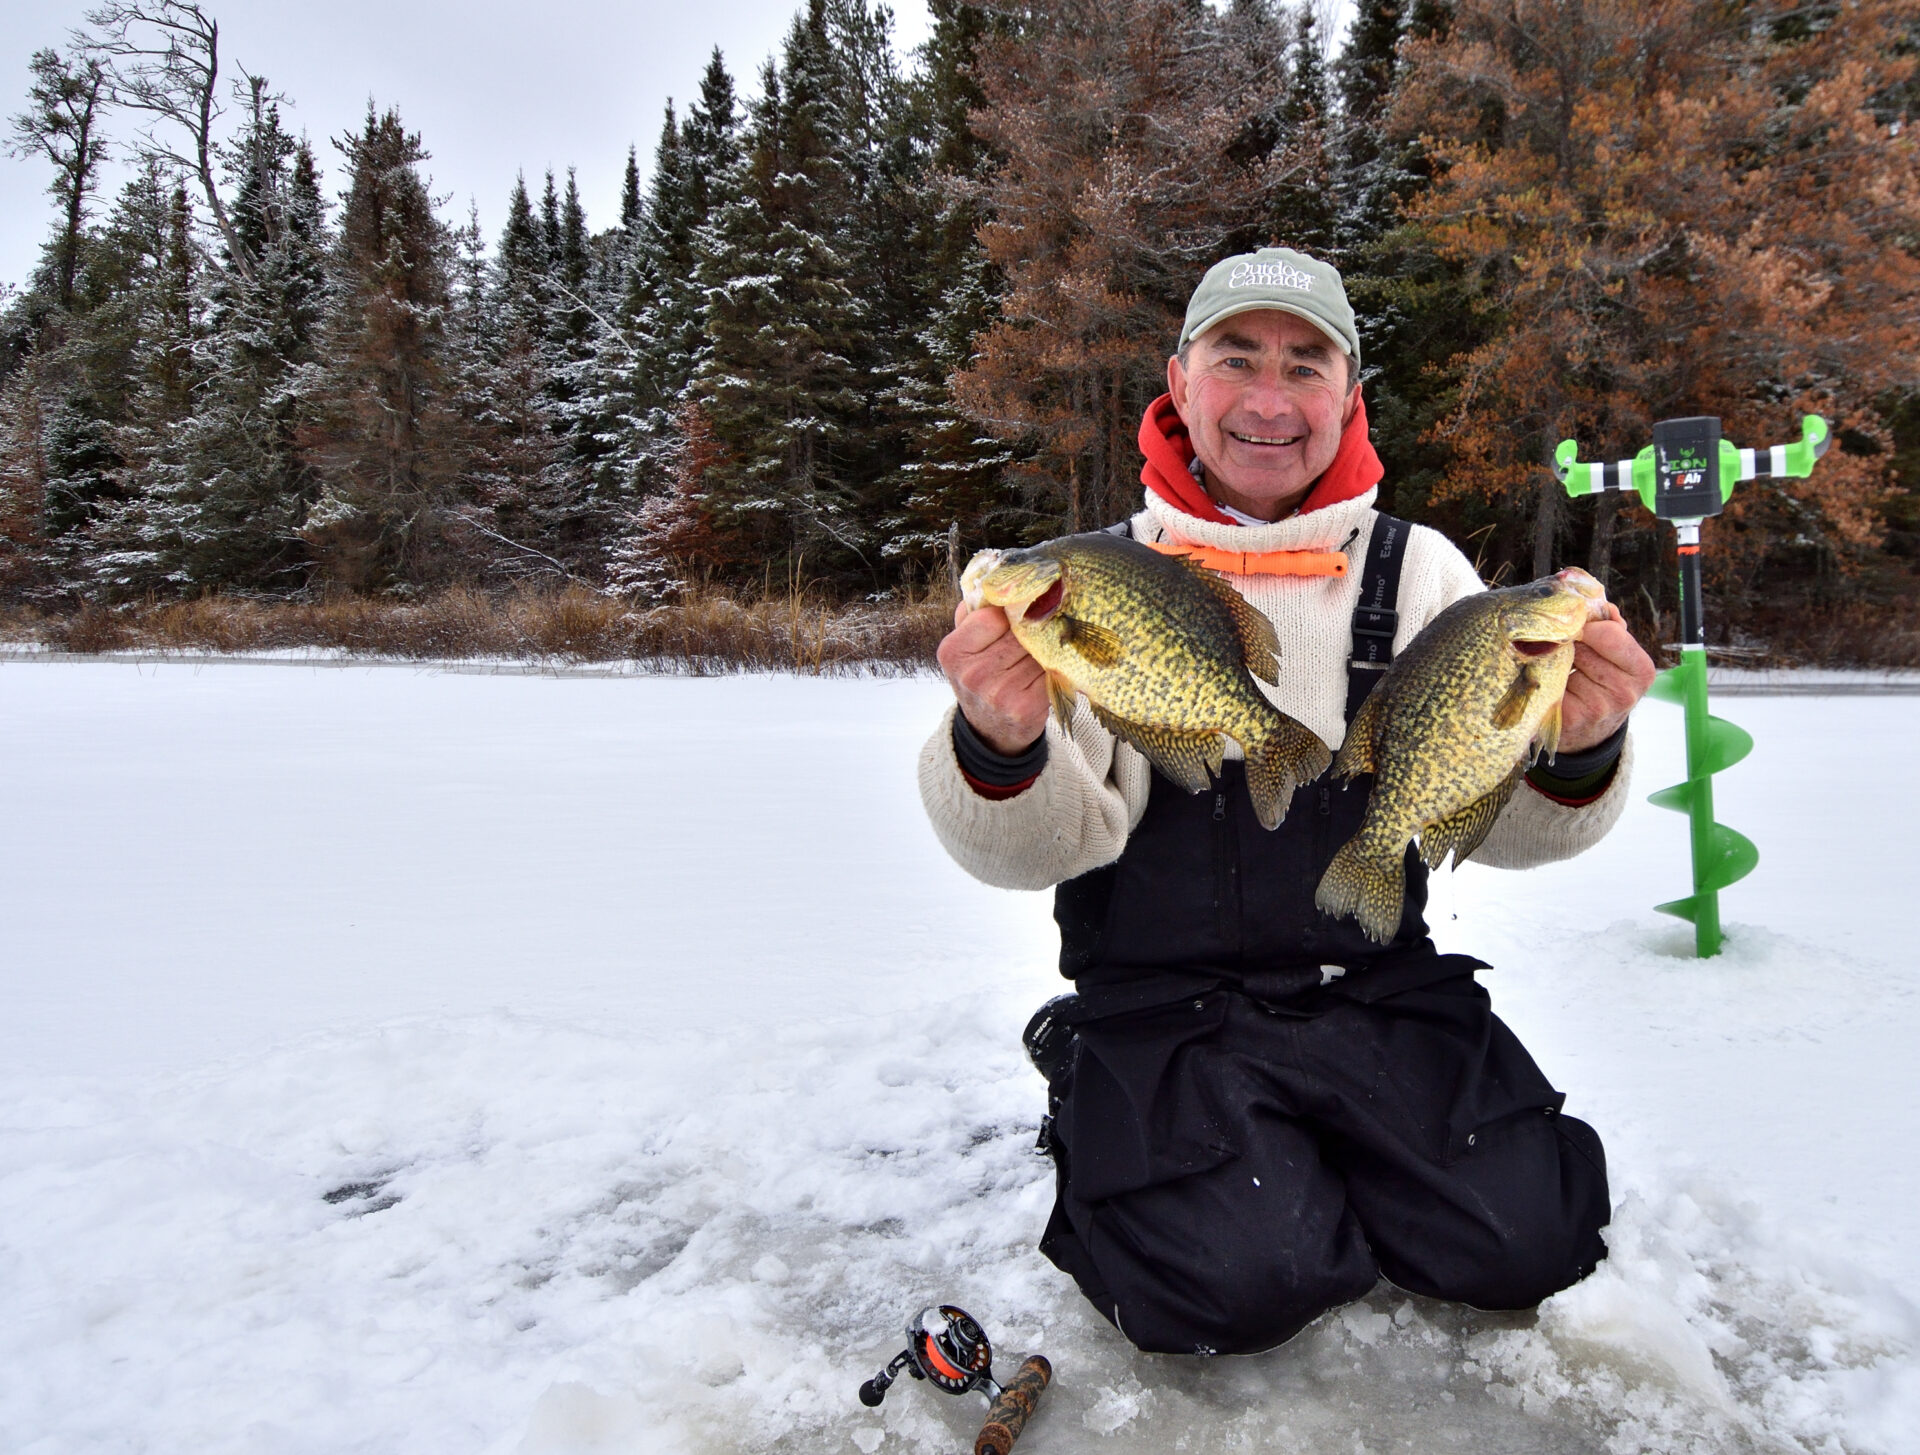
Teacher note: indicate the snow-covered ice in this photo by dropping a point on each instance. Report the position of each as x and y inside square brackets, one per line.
[400, 1060]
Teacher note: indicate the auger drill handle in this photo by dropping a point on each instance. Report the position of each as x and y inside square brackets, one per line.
[949, 1350]
[1688, 472]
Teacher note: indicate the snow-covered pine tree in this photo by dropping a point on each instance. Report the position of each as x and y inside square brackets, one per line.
[948, 491]
[117, 370]
[630, 198]
[1305, 207]
[227, 489]
[390, 447]
[502, 321]
[1367, 173]
[777, 383]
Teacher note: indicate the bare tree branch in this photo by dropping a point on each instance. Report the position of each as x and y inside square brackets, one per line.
[162, 57]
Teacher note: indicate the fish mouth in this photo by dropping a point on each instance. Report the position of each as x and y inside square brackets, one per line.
[1046, 603]
[1018, 582]
[1535, 649]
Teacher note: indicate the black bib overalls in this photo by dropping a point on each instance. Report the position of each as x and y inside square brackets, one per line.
[1264, 1111]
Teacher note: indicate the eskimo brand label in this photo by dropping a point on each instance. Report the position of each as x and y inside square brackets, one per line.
[1270, 275]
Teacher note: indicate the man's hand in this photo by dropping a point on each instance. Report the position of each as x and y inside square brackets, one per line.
[1002, 690]
[1611, 672]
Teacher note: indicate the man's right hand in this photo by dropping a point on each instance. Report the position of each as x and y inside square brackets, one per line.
[1002, 690]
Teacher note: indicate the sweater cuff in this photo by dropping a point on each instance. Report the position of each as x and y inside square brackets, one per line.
[990, 772]
[1577, 778]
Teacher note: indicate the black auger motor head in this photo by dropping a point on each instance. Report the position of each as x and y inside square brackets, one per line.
[948, 1349]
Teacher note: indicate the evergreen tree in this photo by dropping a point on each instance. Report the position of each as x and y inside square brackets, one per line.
[948, 488]
[62, 123]
[777, 383]
[663, 307]
[1305, 207]
[121, 359]
[390, 447]
[226, 490]
[630, 199]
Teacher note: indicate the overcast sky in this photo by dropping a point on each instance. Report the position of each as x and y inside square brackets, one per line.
[493, 88]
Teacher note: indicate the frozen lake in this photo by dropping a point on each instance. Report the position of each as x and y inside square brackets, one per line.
[397, 1059]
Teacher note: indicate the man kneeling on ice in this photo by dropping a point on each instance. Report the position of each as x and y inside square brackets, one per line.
[1256, 1110]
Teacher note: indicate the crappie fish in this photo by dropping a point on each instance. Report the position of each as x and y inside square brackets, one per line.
[1162, 648]
[1448, 733]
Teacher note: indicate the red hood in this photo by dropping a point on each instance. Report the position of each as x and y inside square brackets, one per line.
[1355, 470]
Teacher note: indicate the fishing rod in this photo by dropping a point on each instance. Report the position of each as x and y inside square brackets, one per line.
[1685, 476]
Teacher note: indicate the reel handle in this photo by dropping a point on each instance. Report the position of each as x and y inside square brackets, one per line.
[1019, 1397]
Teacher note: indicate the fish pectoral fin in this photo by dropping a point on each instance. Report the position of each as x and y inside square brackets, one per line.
[1061, 694]
[1099, 646]
[1356, 752]
[1189, 759]
[1511, 710]
[1547, 740]
[1465, 829]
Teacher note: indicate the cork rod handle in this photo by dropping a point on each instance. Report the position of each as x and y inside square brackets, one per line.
[1018, 1399]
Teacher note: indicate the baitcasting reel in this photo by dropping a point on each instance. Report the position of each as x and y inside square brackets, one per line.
[948, 1349]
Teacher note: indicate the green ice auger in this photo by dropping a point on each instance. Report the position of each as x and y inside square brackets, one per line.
[1685, 475]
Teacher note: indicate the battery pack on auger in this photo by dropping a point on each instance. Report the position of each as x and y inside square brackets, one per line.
[949, 1350]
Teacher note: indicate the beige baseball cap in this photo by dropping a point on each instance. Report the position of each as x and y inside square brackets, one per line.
[1275, 278]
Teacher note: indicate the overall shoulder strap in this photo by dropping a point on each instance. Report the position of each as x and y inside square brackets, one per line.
[1375, 617]
[1122, 528]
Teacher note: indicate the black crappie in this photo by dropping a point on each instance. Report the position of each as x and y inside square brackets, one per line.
[1163, 650]
[1448, 733]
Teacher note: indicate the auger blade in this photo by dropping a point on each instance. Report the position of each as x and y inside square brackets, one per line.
[1729, 858]
[1666, 686]
[1680, 798]
[1687, 909]
[1727, 743]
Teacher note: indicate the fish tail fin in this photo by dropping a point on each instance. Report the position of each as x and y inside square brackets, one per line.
[1369, 890]
[1280, 762]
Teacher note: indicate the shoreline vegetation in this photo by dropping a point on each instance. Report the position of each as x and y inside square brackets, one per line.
[709, 630]
[859, 314]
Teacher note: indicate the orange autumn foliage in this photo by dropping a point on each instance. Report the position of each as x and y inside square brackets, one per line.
[1674, 208]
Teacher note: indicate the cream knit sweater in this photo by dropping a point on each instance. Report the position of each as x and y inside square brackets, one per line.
[1076, 816]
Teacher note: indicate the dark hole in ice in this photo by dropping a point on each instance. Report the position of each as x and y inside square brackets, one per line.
[362, 1192]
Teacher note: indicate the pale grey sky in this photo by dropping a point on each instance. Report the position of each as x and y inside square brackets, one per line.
[492, 87]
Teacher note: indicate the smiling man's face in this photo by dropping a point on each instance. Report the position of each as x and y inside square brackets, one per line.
[1264, 397]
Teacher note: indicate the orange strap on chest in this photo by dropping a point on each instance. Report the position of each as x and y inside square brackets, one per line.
[1259, 563]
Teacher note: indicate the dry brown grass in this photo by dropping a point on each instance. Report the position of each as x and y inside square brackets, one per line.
[712, 632]
[709, 632]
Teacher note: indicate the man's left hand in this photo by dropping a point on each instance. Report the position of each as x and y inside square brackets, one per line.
[1611, 672]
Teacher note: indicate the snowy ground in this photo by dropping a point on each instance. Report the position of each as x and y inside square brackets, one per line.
[397, 1060]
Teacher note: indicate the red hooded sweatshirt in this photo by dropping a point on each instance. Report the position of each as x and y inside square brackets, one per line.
[1355, 470]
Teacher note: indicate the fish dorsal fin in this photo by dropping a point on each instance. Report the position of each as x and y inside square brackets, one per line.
[1099, 646]
[1189, 759]
[1511, 710]
[1465, 829]
[1356, 753]
[1258, 644]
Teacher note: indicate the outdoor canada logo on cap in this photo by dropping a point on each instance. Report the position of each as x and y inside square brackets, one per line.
[1275, 278]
